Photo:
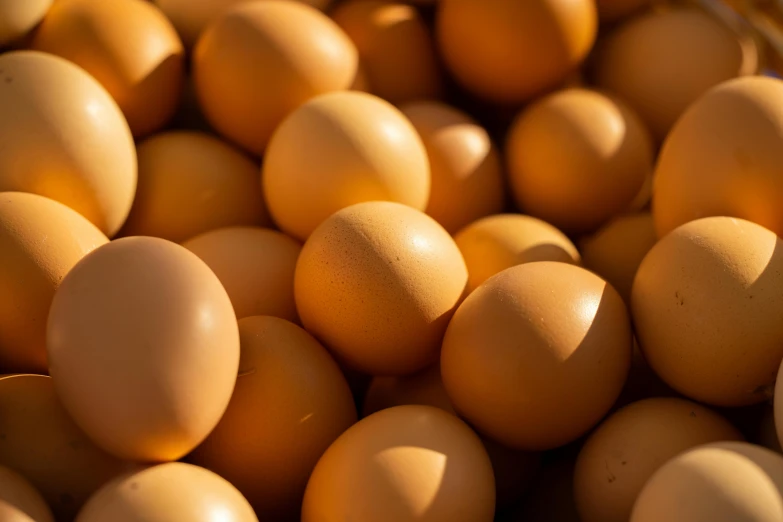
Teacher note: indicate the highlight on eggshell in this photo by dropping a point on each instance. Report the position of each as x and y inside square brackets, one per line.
[18, 19]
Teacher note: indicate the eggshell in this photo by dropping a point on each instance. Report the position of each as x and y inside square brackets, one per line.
[509, 51]
[359, 148]
[291, 402]
[143, 348]
[40, 441]
[259, 61]
[614, 10]
[20, 501]
[494, 243]
[256, 267]
[663, 61]
[723, 482]
[724, 157]
[40, 240]
[17, 18]
[628, 447]
[531, 343]
[705, 303]
[395, 46]
[467, 178]
[128, 46]
[377, 283]
[190, 183]
[173, 491]
[403, 464]
[69, 143]
[609, 156]
[617, 249]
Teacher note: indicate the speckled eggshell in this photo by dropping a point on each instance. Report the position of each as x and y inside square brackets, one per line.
[705, 302]
[20, 501]
[17, 18]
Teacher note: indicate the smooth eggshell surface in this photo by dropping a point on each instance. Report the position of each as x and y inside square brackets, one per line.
[532, 342]
[724, 157]
[71, 144]
[173, 491]
[143, 348]
[40, 241]
[494, 243]
[17, 18]
[290, 403]
[377, 283]
[359, 148]
[20, 501]
[42, 443]
[705, 303]
[403, 464]
[190, 183]
[723, 482]
[628, 447]
[261, 60]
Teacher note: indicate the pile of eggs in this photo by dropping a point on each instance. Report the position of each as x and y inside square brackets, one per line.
[390, 261]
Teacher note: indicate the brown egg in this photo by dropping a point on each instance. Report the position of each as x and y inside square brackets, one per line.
[403, 464]
[724, 157]
[662, 62]
[20, 501]
[617, 249]
[18, 19]
[644, 196]
[614, 10]
[531, 343]
[627, 448]
[377, 283]
[191, 183]
[40, 240]
[259, 61]
[395, 46]
[359, 148]
[722, 482]
[128, 46]
[492, 244]
[609, 156]
[705, 303]
[256, 267]
[466, 170]
[70, 144]
[143, 348]
[40, 441]
[291, 402]
[509, 51]
[173, 491]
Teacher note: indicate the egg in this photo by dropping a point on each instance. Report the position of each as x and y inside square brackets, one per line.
[70, 144]
[494, 243]
[403, 464]
[18, 19]
[509, 51]
[172, 491]
[609, 157]
[40, 441]
[191, 183]
[143, 348]
[662, 62]
[617, 249]
[291, 402]
[259, 61]
[531, 343]
[377, 283]
[723, 482]
[614, 10]
[128, 46]
[256, 267]
[20, 501]
[395, 46]
[705, 303]
[627, 448]
[40, 240]
[724, 157]
[465, 166]
[359, 148]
